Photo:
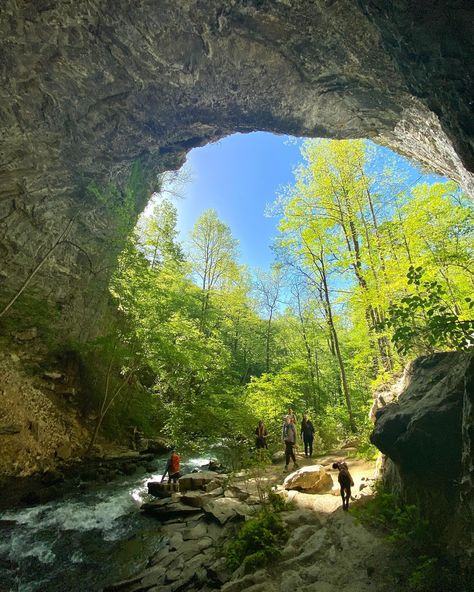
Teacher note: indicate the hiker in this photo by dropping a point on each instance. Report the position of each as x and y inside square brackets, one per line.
[345, 482]
[261, 436]
[172, 468]
[289, 438]
[291, 414]
[307, 433]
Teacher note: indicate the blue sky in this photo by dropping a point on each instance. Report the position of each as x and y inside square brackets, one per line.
[239, 175]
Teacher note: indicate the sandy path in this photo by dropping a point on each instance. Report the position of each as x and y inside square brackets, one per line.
[328, 550]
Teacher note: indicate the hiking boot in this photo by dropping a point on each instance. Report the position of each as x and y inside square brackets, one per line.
[285, 470]
[296, 466]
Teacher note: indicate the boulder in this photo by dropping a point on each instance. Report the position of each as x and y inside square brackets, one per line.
[158, 489]
[422, 432]
[278, 457]
[428, 438]
[311, 479]
[129, 468]
[200, 480]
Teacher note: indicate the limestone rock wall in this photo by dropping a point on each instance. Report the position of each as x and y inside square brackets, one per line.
[427, 436]
[89, 87]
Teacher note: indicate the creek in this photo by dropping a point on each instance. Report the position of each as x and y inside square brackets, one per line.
[84, 541]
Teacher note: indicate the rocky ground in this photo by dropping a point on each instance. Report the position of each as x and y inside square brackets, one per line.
[39, 423]
[328, 550]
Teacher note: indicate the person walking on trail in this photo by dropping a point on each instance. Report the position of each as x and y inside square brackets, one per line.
[172, 469]
[289, 438]
[291, 414]
[307, 433]
[261, 436]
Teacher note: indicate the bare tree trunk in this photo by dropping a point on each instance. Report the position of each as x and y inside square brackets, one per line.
[344, 384]
[106, 404]
[267, 344]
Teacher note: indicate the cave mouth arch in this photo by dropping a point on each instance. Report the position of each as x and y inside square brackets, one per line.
[87, 92]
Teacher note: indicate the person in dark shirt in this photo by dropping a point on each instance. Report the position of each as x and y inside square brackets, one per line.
[307, 433]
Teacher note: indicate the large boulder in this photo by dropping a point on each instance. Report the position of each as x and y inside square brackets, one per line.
[421, 432]
[428, 438]
[311, 479]
[278, 457]
[158, 489]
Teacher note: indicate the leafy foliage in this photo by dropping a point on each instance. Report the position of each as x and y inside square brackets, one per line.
[424, 320]
[364, 264]
[258, 542]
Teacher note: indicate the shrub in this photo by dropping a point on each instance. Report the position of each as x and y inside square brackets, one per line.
[259, 541]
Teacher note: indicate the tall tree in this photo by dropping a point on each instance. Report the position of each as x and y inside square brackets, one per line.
[158, 235]
[213, 254]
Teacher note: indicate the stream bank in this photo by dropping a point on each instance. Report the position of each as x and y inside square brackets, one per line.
[327, 550]
[86, 539]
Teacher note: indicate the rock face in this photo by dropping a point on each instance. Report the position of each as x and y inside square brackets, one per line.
[428, 438]
[311, 479]
[87, 90]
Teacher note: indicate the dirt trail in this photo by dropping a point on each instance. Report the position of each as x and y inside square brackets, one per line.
[328, 550]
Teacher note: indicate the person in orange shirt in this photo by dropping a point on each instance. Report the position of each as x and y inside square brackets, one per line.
[172, 469]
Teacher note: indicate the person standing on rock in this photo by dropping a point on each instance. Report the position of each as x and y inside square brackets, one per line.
[261, 436]
[307, 433]
[289, 438]
[172, 469]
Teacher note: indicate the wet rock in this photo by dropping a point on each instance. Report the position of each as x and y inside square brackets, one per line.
[165, 510]
[310, 479]
[158, 489]
[129, 468]
[52, 478]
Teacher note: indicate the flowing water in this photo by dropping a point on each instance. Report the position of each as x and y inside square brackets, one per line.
[83, 541]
